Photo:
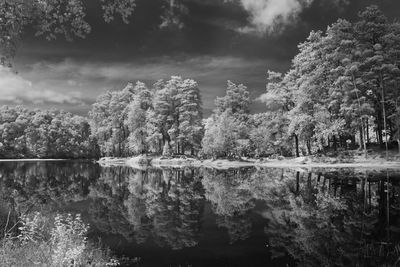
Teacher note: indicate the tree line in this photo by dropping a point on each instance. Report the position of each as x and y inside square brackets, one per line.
[342, 89]
[343, 83]
[37, 133]
[166, 119]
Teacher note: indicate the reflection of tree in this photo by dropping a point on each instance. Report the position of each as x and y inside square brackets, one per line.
[326, 220]
[232, 200]
[328, 217]
[238, 227]
[27, 185]
[169, 207]
[160, 205]
[107, 212]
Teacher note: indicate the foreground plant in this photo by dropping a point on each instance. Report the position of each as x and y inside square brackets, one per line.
[52, 242]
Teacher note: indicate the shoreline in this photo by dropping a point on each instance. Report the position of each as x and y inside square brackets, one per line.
[302, 162]
[11, 160]
[141, 162]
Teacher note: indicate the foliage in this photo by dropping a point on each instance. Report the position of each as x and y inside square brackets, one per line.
[341, 87]
[44, 134]
[44, 242]
[50, 18]
[137, 120]
[340, 84]
[53, 18]
[226, 131]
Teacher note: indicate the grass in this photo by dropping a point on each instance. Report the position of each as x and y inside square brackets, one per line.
[53, 242]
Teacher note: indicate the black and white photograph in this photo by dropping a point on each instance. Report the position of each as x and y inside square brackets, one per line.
[199, 133]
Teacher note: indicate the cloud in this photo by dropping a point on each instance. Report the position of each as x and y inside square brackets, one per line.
[100, 75]
[91, 78]
[16, 89]
[273, 15]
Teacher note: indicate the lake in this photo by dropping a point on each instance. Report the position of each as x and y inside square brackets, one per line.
[207, 217]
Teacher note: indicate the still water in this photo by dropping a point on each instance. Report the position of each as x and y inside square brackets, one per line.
[208, 217]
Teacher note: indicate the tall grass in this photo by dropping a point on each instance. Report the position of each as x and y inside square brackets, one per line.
[54, 242]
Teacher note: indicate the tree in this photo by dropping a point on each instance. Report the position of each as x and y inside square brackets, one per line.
[108, 116]
[342, 81]
[137, 119]
[44, 134]
[346, 100]
[392, 46]
[370, 31]
[226, 131]
[236, 99]
[190, 116]
[222, 133]
[272, 131]
[165, 103]
[268, 135]
[310, 90]
[52, 18]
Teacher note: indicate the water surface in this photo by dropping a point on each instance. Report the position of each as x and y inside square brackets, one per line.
[207, 217]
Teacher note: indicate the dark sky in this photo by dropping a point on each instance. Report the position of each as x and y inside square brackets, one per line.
[220, 41]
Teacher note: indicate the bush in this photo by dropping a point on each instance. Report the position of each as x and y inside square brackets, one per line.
[56, 242]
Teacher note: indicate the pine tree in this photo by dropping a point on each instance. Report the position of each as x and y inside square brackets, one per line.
[190, 116]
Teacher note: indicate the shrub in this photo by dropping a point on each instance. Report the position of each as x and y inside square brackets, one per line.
[56, 242]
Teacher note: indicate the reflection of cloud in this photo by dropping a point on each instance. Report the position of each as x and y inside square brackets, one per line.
[16, 89]
[269, 15]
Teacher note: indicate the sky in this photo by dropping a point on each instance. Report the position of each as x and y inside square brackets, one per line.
[237, 40]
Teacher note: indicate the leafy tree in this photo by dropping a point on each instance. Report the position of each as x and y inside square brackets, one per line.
[222, 135]
[236, 99]
[270, 132]
[226, 131]
[341, 82]
[137, 119]
[190, 116]
[53, 18]
[50, 18]
[268, 135]
[108, 116]
[44, 134]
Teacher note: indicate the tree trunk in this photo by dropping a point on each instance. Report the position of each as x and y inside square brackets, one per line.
[296, 139]
[398, 145]
[379, 133]
[308, 143]
[367, 129]
[384, 113]
[334, 143]
[363, 138]
[362, 131]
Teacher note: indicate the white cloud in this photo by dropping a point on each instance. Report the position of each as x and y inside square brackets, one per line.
[273, 15]
[59, 81]
[16, 89]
